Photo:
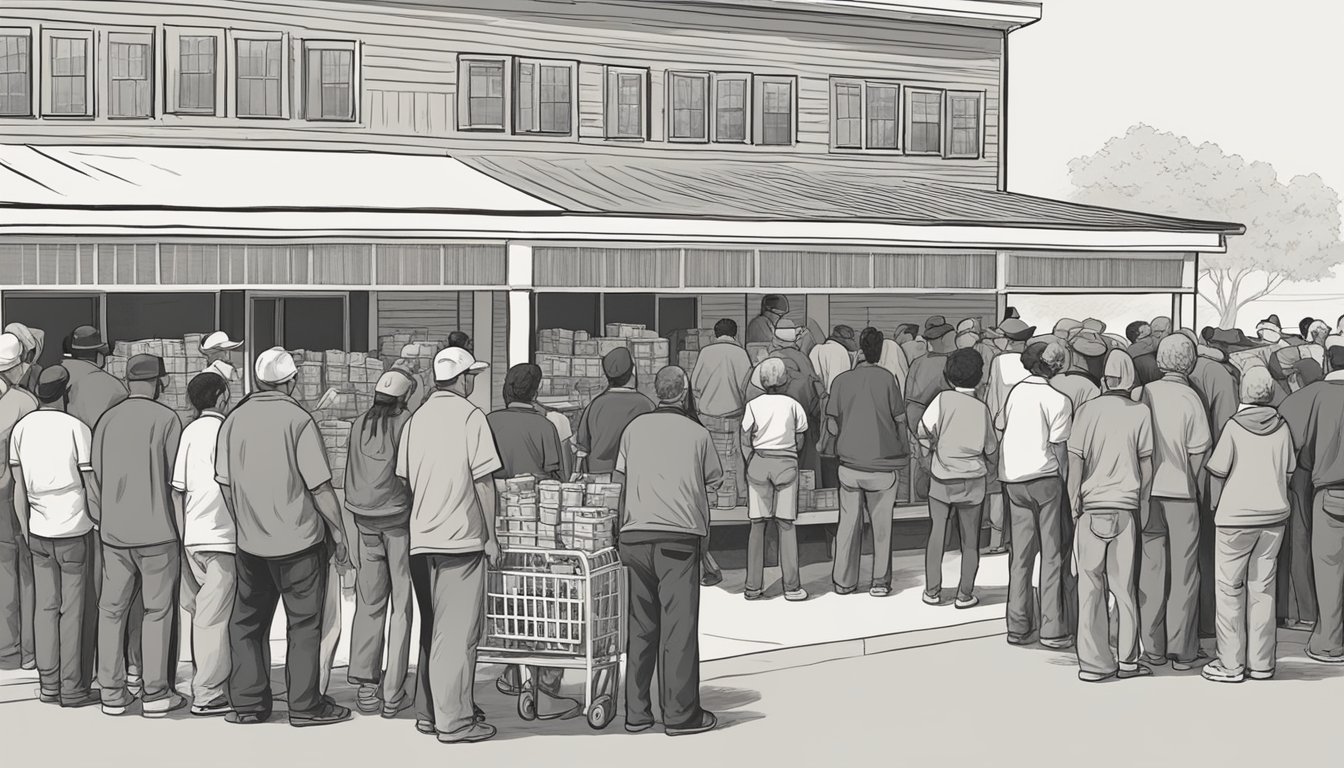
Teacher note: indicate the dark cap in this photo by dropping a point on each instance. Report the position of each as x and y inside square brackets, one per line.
[52, 383]
[87, 338]
[936, 327]
[618, 363]
[145, 368]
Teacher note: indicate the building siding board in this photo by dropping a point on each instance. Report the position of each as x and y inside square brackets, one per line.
[1080, 271]
[887, 311]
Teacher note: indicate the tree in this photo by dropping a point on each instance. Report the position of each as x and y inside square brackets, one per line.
[1292, 229]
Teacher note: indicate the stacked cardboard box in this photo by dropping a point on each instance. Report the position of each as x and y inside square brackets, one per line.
[807, 486]
[686, 359]
[517, 523]
[336, 439]
[182, 361]
[690, 340]
[571, 361]
[587, 529]
[826, 498]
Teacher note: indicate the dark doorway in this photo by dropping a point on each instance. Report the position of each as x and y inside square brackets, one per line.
[677, 313]
[136, 316]
[571, 311]
[630, 308]
[56, 316]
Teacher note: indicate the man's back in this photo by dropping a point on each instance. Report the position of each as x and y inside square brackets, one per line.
[92, 391]
[52, 448]
[134, 447]
[1217, 389]
[527, 441]
[923, 383]
[1077, 387]
[670, 467]
[1005, 372]
[1314, 414]
[372, 487]
[15, 403]
[1111, 434]
[1035, 418]
[1180, 430]
[602, 423]
[868, 406]
[716, 381]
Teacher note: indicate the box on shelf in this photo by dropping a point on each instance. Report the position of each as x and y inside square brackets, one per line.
[607, 345]
[625, 330]
[826, 498]
[807, 480]
[805, 501]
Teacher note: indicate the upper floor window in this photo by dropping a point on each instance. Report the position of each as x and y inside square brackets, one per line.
[544, 97]
[688, 106]
[775, 110]
[627, 104]
[193, 72]
[261, 75]
[963, 125]
[481, 93]
[130, 75]
[329, 80]
[865, 114]
[923, 122]
[732, 100]
[68, 78]
[16, 73]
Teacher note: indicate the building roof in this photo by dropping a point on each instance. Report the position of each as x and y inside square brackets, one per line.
[996, 14]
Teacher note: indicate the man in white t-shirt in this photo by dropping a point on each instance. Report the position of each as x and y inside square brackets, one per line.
[775, 426]
[54, 492]
[210, 539]
[218, 348]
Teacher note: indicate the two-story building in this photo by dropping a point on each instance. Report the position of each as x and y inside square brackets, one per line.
[319, 172]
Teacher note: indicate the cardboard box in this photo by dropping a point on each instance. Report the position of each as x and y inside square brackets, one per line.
[826, 498]
[807, 480]
[607, 345]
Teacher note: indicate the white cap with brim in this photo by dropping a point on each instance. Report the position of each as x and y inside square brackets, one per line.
[219, 340]
[455, 361]
[394, 383]
[276, 366]
[24, 334]
[11, 351]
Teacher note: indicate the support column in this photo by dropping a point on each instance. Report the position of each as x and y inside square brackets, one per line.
[483, 340]
[1183, 310]
[819, 312]
[1000, 286]
[519, 279]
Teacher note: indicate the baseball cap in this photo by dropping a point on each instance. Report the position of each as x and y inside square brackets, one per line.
[52, 383]
[455, 361]
[617, 363]
[11, 351]
[393, 383]
[25, 335]
[145, 368]
[219, 340]
[275, 366]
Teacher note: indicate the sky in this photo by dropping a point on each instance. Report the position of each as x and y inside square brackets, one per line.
[1257, 78]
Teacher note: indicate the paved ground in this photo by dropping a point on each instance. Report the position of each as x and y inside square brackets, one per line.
[972, 703]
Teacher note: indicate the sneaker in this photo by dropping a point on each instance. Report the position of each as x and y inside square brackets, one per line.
[471, 734]
[1058, 643]
[214, 708]
[425, 727]
[556, 707]
[711, 579]
[753, 595]
[116, 706]
[967, 602]
[50, 698]
[1153, 661]
[1095, 677]
[839, 590]
[368, 699]
[508, 682]
[1139, 670]
[708, 722]
[135, 684]
[247, 718]
[1214, 671]
[993, 551]
[795, 595]
[1186, 666]
[328, 713]
[87, 699]
[161, 707]
[1314, 656]
[932, 599]
[28, 665]
[1016, 639]
[637, 727]
[390, 711]
[880, 590]
[1261, 675]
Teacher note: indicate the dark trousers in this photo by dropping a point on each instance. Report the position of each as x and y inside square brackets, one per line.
[968, 517]
[1296, 585]
[301, 581]
[16, 601]
[1037, 515]
[1327, 549]
[61, 581]
[450, 590]
[664, 631]
[1169, 580]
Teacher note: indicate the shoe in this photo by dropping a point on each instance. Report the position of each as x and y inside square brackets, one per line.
[28, 665]
[328, 713]
[1058, 643]
[839, 590]
[425, 727]
[135, 684]
[1139, 670]
[1216, 672]
[992, 551]
[471, 734]
[1153, 661]
[556, 707]
[246, 718]
[753, 596]
[708, 722]
[117, 706]
[967, 602]
[507, 683]
[368, 699]
[1324, 659]
[637, 727]
[212, 709]
[51, 698]
[932, 599]
[87, 699]
[161, 707]
[1095, 677]
[1016, 639]
[880, 591]
[1259, 675]
[1186, 666]
[711, 579]
[390, 711]
[796, 595]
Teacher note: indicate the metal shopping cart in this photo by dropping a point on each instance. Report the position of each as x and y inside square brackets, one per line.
[558, 608]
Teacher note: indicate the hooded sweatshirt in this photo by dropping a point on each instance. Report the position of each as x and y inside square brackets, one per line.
[1254, 458]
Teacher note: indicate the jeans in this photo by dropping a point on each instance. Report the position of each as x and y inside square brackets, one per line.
[300, 580]
[16, 600]
[155, 574]
[941, 515]
[61, 581]
[772, 495]
[89, 634]
[1036, 515]
[210, 581]
[664, 631]
[877, 492]
[383, 580]
[1297, 588]
[1327, 553]
[996, 505]
[450, 590]
[1246, 562]
[1169, 580]
[1106, 546]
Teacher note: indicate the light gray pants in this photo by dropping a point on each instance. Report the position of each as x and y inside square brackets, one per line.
[450, 590]
[875, 491]
[772, 495]
[61, 582]
[209, 581]
[383, 606]
[1169, 580]
[1246, 561]
[1106, 545]
[16, 600]
[1327, 555]
[156, 570]
[1037, 516]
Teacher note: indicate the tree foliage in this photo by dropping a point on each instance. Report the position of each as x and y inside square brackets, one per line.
[1292, 229]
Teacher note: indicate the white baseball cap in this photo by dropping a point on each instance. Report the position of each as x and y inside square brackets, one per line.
[219, 340]
[276, 366]
[455, 361]
[11, 351]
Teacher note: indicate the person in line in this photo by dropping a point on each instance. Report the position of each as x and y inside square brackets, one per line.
[598, 436]
[447, 456]
[134, 447]
[957, 432]
[774, 426]
[209, 539]
[1169, 577]
[803, 386]
[1079, 382]
[34, 341]
[409, 363]
[1110, 476]
[380, 503]
[1250, 464]
[717, 385]
[829, 360]
[867, 414]
[218, 349]
[460, 340]
[911, 344]
[774, 308]
[17, 599]
[1005, 372]
[1036, 423]
[1296, 600]
[669, 467]
[529, 445]
[1314, 415]
[272, 467]
[922, 384]
[893, 359]
[1143, 351]
[54, 489]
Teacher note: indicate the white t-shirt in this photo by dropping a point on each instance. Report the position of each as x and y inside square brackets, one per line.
[561, 422]
[222, 368]
[776, 421]
[209, 526]
[1036, 416]
[52, 448]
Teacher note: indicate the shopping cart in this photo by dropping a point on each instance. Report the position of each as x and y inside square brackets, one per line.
[560, 609]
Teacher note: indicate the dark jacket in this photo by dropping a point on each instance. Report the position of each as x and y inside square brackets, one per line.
[372, 488]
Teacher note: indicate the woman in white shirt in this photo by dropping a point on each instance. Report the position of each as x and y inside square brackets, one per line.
[774, 426]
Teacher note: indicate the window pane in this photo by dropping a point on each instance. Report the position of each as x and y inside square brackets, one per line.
[555, 99]
[629, 105]
[485, 94]
[128, 63]
[15, 88]
[777, 120]
[730, 110]
[882, 116]
[330, 90]
[688, 106]
[258, 79]
[926, 119]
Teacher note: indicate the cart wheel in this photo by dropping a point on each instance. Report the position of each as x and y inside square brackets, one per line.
[600, 713]
[527, 703]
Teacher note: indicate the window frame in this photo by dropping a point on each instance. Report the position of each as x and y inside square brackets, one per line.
[143, 37]
[979, 152]
[286, 71]
[355, 49]
[908, 121]
[515, 73]
[864, 145]
[759, 82]
[708, 108]
[49, 36]
[464, 62]
[610, 113]
[33, 61]
[716, 80]
[172, 69]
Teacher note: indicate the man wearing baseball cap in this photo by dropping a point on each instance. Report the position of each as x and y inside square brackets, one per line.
[92, 389]
[217, 348]
[924, 382]
[33, 340]
[447, 455]
[16, 560]
[272, 467]
[133, 451]
[598, 437]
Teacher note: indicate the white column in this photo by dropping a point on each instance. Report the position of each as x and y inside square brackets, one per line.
[519, 278]
[1000, 286]
[482, 339]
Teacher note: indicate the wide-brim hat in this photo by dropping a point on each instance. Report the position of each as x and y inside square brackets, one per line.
[936, 327]
[219, 341]
[1230, 337]
[1088, 344]
[1016, 330]
[86, 338]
